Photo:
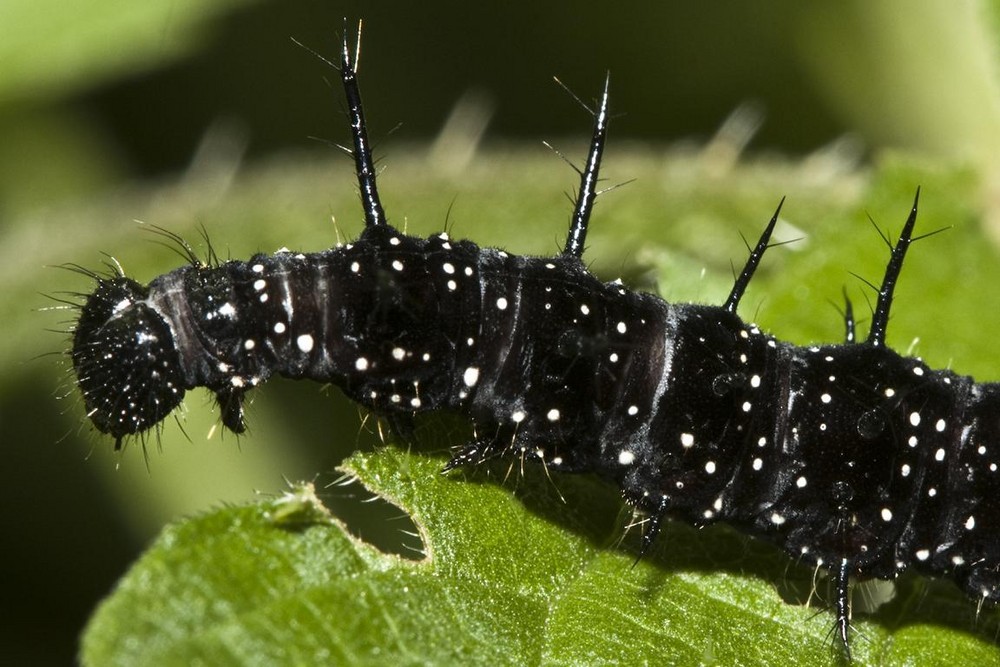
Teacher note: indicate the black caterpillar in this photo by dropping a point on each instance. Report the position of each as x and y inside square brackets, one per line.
[850, 457]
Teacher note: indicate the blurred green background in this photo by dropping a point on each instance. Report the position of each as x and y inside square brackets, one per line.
[183, 113]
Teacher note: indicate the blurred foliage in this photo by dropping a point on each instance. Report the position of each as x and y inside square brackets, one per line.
[186, 114]
[49, 49]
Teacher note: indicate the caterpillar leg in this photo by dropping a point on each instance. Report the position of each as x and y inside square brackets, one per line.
[652, 528]
[478, 451]
[230, 400]
[842, 603]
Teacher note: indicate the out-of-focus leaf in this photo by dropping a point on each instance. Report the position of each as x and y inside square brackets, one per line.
[50, 48]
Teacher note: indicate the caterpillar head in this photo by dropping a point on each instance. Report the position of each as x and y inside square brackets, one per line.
[127, 366]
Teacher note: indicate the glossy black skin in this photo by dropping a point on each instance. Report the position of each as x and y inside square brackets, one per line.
[850, 457]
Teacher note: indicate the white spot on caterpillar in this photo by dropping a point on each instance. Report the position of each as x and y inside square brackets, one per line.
[227, 310]
[361, 364]
[263, 298]
[584, 309]
[826, 398]
[923, 554]
[518, 416]
[398, 265]
[279, 327]
[917, 370]
[259, 284]
[939, 454]
[502, 303]
[905, 470]
[754, 381]
[415, 402]
[777, 519]
[553, 415]
[940, 426]
[889, 392]
[747, 406]
[355, 267]
[801, 482]
[448, 267]
[710, 467]
[626, 458]
[758, 464]
[622, 328]
[249, 344]
[257, 268]
[471, 376]
[452, 285]
[915, 419]
[305, 342]
[633, 410]
[613, 357]
[468, 270]
[398, 353]
[886, 514]
[970, 523]
[687, 440]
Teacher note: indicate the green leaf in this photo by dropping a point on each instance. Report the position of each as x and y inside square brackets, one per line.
[509, 578]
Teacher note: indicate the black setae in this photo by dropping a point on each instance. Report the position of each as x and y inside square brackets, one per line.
[850, 457]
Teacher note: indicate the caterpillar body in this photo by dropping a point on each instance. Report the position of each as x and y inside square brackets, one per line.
[850, 457]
